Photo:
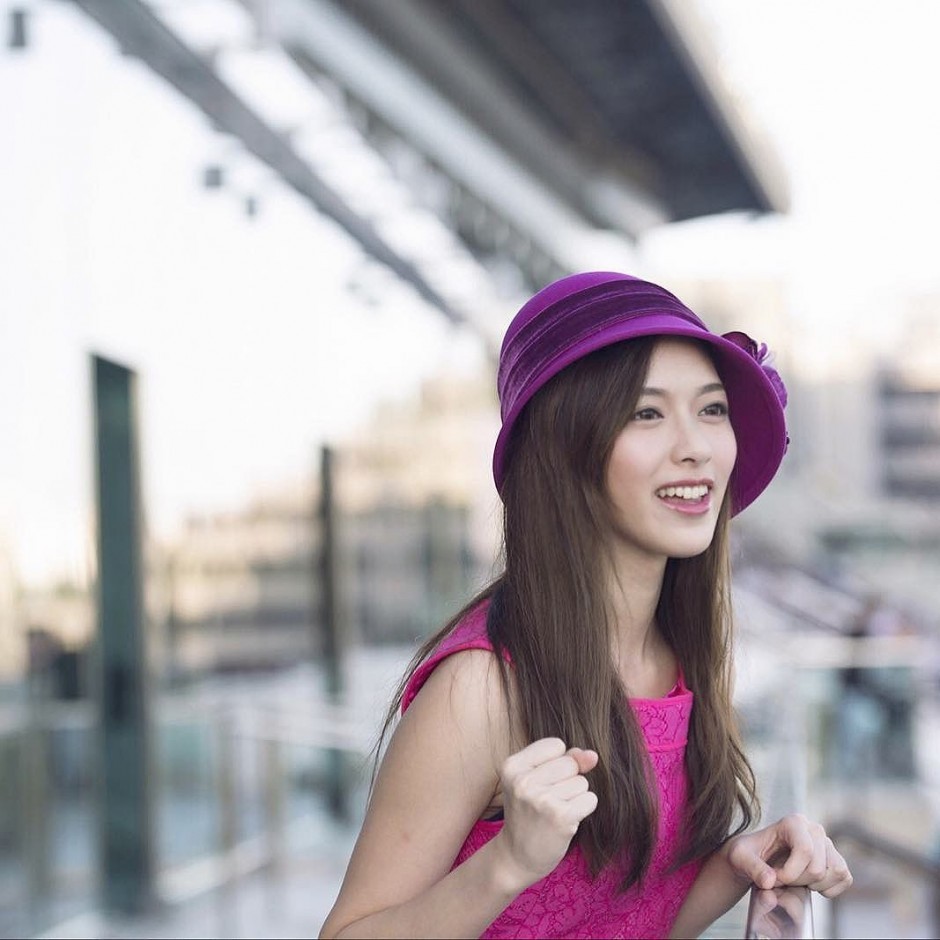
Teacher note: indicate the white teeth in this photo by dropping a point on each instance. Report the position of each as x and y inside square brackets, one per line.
[684, 492]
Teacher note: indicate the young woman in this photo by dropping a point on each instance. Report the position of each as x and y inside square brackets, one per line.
[567, 762]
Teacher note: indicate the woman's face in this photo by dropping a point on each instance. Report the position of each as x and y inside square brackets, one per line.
[670, 465]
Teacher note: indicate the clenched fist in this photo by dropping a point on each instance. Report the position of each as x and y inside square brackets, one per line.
[545, 796]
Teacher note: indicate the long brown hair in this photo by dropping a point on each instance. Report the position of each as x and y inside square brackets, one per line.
[549, 612]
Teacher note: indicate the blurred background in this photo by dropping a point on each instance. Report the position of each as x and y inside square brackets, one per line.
[258, 256]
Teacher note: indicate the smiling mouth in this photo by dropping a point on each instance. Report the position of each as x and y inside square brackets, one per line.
[692, 494]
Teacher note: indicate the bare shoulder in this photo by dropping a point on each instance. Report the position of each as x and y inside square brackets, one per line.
[438, 775]
[464, 702]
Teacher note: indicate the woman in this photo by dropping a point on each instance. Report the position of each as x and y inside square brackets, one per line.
[567, 762]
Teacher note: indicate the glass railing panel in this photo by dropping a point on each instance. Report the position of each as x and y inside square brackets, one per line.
[186, 817]
[72, 820]
[48, 816]
[13, 901]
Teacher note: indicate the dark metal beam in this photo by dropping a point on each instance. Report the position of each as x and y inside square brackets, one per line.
[428, 35]
[616, 106]
[334, 637]
[140, 33]
[124, 754]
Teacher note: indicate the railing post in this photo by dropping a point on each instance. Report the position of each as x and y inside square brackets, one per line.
[935, 906]
[334, 640]
[274, 812]
[226, 787]
[784, 913]
[34, 789]
[835, 918]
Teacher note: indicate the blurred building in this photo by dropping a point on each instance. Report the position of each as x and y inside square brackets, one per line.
[910, 435]
[419, 475]
[892, 540]
[908, 391]
[236, 589]
[759, 304]
[64, 609]
[12, 651]
[240, 590]
[44, 629]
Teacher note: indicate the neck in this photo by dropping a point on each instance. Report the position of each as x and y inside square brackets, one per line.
[633, 594]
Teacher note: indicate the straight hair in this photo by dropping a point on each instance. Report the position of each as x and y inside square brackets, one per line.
[549, 613]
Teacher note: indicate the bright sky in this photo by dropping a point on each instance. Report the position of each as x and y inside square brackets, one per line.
[846, 91]
[112, 245]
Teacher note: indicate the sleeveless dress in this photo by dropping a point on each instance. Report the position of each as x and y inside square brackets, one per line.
[568, 902]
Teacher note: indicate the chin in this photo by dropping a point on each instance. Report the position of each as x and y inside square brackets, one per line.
[690, 548]
[691, 553]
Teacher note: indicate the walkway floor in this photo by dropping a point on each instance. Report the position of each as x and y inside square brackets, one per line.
[265, 905]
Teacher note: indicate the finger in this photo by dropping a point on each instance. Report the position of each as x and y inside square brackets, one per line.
[820, 881]
[806, 857]
[535, 754]
[553, 771]
[749, 865]
[843, 884]
[818, 864]
[838, 877]
[571, 788]
[582, 806]
[585, 757]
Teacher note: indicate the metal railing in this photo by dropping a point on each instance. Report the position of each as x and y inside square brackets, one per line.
[781, 913]
[266, 734]
[886, 849]
[245, 786]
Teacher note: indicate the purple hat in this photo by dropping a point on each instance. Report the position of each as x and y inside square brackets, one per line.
[581, 313]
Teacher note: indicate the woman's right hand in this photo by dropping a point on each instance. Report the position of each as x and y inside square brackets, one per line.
[545, 797]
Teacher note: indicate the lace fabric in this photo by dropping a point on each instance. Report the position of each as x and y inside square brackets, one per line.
[568, 902]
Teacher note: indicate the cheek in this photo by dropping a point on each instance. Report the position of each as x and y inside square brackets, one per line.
[729, 449]
[621, 470]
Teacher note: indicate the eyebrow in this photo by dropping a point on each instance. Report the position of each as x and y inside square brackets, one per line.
[704, 390]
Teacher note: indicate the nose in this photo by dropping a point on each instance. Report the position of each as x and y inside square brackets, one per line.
[692, 444]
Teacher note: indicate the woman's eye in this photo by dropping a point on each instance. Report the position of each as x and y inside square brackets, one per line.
[716, 409]
[647, 414]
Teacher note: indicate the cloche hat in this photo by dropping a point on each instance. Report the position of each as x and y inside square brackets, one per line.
[581, 313]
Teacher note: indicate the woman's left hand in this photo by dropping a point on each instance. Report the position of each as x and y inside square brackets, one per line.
[793, 851]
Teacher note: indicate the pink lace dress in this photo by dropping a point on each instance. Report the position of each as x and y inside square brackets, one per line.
[568, 902]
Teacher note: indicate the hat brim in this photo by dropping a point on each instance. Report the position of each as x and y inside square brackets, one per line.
[756, 412]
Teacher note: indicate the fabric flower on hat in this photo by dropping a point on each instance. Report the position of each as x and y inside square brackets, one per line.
[761, 355]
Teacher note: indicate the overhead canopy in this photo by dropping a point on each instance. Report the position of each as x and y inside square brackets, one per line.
[608, 102]
[532, 120]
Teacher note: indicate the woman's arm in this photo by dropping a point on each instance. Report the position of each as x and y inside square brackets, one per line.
[793, 851]
[441, 770]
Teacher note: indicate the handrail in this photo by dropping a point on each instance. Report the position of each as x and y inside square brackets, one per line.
[784, 913]
[925, 865]
[318, 724]
[881, 845]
